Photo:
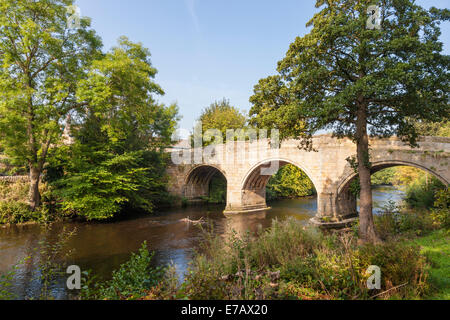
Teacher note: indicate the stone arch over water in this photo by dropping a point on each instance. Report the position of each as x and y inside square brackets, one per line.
[198, 179]
[254, 183]
[346, 201]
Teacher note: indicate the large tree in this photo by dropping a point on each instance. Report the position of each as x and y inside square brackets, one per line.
[41, 61]
[222, 116]
[355, 79]
[117, 159]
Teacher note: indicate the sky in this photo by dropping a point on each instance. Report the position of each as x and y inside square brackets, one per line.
[206, 50]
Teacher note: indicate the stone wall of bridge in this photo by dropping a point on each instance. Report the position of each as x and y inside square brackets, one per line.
[248, 166]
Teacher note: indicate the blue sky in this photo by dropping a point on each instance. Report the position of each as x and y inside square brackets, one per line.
[206, 50]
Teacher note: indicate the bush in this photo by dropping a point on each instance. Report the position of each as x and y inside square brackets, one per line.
[97, 191]
[393, 222]
[441, 213]
[14, 191]
[217, 190]
[16, 212]
[421, 193]
[401, 265]
[290, 262]
[14, 206]
[133, 280]
[384, 177]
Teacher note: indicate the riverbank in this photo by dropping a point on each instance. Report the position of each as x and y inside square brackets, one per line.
[104, 246]
[291, 261]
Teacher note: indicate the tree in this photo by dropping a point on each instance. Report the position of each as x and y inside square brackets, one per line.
[41, 62]
[437, 129]
[117, 159]
[289, 182]
[354, 80]
[221, 115]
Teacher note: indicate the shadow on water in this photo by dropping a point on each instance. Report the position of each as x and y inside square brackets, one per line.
[103, 247]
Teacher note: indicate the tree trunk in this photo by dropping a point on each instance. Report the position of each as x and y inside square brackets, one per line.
[34, 195]
[366, 225]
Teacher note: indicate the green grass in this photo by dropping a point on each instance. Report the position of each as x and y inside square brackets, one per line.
[436, 247]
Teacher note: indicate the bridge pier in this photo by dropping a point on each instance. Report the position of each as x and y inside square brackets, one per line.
[335, 211]
[247, 200]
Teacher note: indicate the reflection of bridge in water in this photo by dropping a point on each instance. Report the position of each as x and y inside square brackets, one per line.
[247, 168]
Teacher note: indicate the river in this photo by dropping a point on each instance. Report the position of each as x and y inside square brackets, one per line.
[102, 247]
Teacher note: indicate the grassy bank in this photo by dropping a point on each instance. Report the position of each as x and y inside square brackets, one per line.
[436, 247]
[291, 261]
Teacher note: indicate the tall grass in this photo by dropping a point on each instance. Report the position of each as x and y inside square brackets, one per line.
[14, 207]
[289, 261]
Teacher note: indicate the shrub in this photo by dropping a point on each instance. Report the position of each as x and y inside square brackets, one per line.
[14, 206]
[16, 212]
[290, 262]
[401, 265]
[421, 193]
[441, 213]
[392, 221]
[133, 280]
[14, 191]
[103, 187]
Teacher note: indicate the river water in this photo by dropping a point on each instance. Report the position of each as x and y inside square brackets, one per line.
[102, 247]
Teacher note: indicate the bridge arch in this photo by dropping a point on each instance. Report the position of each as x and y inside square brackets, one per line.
[346, 201]
[380, 165]
[197, 180]
[253, 185]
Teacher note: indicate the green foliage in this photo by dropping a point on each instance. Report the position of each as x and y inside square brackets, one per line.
[16, 212]
[132, 281]
[396, 72]
[101, 189]
[355, 187]
[14, 206]
[288, 261]
[116, 160]
[441, 212]
[421, 193]
[401, 264]
[221, 116]
[217, 189]
[436, 129]
[355, 81]
[436, 247]
[289, 182]
[393, 221]
[123, 111]
[41, 62]
[384, 177]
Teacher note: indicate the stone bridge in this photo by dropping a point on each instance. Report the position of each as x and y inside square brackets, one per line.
[248, 166]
